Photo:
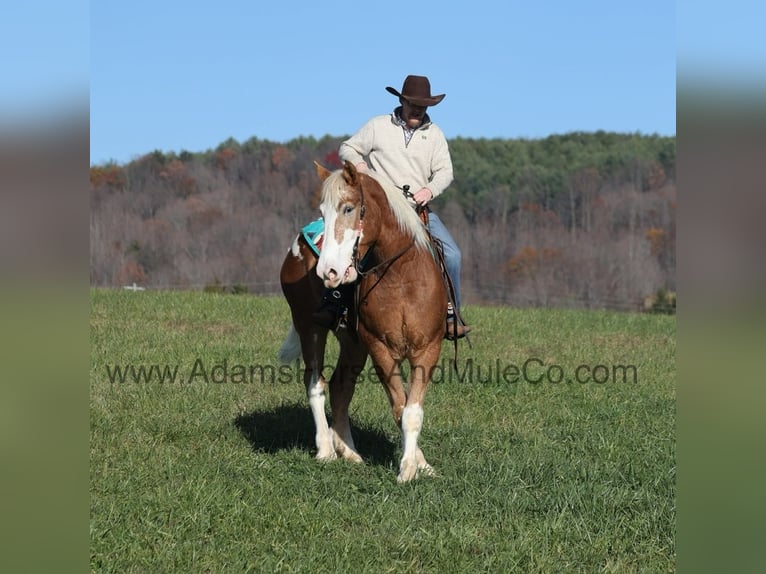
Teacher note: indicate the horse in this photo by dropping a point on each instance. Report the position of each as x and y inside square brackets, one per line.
[400, 312]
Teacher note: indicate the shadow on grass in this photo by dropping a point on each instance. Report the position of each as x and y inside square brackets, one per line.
[291, 426]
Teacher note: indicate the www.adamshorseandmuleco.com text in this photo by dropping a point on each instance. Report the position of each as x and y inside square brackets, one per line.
[531, 371]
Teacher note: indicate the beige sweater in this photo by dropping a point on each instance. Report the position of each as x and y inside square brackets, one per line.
[424, 162]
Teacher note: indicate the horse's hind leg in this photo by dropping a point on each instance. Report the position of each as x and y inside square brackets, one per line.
[342, 383]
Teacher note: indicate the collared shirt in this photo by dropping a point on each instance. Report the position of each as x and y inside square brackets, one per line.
[408, 131]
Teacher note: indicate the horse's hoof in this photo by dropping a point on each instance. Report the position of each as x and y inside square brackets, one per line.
[407, 472]
[352, 456]
[344, 449]
[405, 477]
[326, 456]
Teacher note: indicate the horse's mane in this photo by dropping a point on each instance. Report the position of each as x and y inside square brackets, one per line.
[406, 217]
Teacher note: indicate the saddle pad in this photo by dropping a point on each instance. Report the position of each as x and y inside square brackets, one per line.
[313, 233]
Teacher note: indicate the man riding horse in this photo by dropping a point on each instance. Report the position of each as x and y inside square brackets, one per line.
[407, 150]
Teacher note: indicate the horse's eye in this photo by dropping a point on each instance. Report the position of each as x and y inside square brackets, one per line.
[348, 209]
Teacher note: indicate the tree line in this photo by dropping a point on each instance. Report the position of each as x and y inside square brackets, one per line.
[579, 219]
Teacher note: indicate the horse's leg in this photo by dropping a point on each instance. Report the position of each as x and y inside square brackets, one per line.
[302, 289]
[390, 375]
[342, 383]
[407, 411]
[413, 461]
[313, 341]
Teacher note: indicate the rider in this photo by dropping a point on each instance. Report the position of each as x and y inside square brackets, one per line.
[406, 148]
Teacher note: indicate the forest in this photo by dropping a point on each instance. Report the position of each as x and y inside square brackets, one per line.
[581, 219]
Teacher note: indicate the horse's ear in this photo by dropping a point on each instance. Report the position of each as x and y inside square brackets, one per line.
[350, 175]
[322, 171]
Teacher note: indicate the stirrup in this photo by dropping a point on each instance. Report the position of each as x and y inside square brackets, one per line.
[455, 330]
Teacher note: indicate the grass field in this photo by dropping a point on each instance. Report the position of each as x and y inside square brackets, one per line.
[214, 471]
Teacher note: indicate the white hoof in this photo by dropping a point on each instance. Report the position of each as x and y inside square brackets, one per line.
[411, 469]
[326, 456]
[408, 470]
[325, 448]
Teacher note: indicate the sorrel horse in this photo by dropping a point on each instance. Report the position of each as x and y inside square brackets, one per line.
[401, 309]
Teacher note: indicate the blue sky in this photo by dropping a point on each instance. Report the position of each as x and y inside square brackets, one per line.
[170, 75]
[177, 75]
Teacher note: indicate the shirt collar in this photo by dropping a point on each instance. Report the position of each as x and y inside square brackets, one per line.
[397, 119]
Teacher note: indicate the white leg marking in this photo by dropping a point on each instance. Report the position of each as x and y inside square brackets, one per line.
[316, 396]
[412, 458]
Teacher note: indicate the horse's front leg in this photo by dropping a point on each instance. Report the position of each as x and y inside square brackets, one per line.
[413, 461]
[407, 410]
[313, 346]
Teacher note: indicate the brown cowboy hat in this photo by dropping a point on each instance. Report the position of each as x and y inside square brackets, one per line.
[417, 90]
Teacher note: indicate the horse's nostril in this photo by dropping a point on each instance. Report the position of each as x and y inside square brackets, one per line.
[331, 274]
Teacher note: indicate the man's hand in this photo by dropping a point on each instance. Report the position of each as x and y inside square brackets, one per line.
[423, 196]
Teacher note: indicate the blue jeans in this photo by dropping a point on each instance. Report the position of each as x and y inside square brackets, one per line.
[452, 256]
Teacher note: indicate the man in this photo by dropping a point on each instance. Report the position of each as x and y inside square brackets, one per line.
[406, 148]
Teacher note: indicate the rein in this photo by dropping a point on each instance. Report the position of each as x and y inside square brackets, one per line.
[355, 250]
[387, 263]
[421, 210]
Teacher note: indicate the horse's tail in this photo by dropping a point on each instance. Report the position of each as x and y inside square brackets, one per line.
[291, 348]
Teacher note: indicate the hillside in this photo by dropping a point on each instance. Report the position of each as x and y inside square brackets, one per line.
[576, 220]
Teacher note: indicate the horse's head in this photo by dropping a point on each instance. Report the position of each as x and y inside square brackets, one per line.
[342, 208]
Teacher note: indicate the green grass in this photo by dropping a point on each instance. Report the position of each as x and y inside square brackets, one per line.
[196, 476]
